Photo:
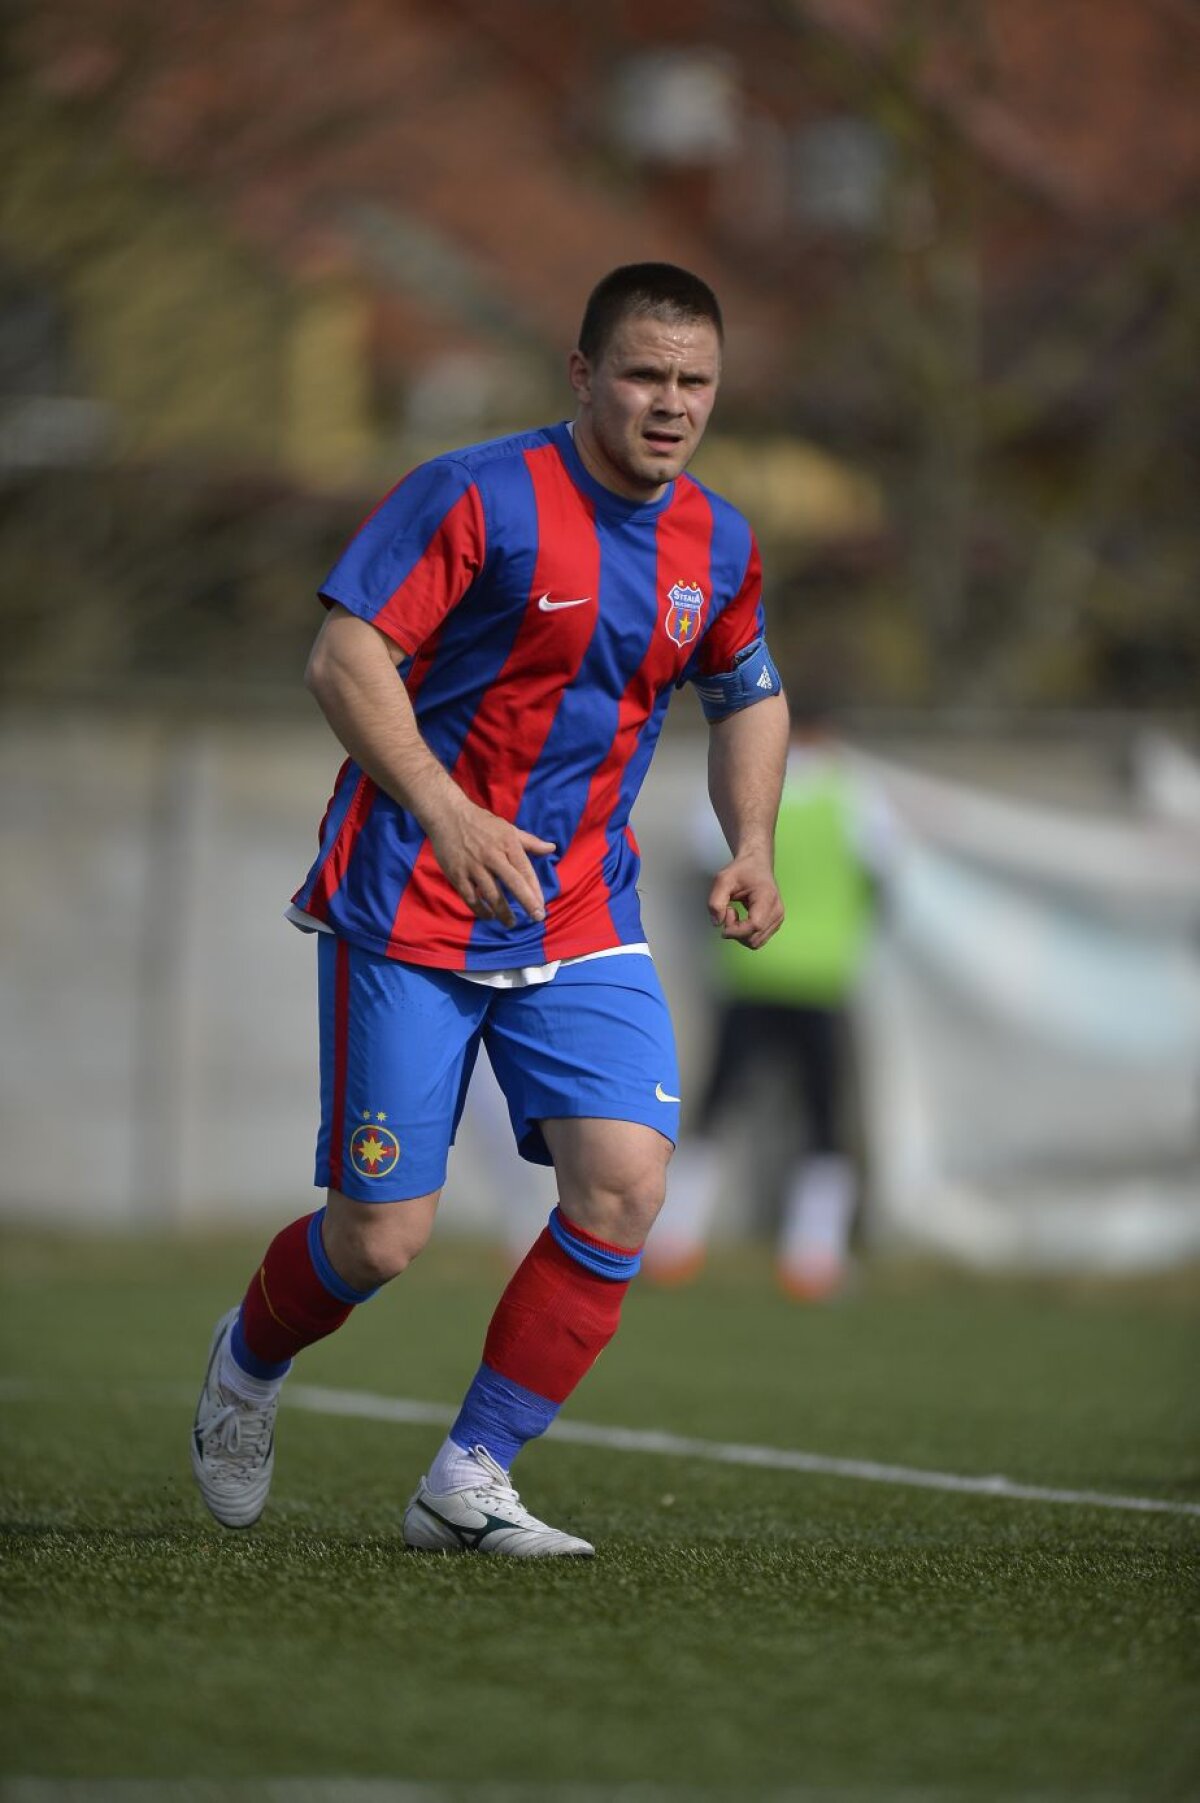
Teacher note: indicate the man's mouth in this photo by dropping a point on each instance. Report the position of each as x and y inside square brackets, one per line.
[662, 440]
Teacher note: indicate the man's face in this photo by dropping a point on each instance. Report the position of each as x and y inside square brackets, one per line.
[644, 404]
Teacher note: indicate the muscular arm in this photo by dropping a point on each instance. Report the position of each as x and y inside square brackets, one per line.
[747, 754]
[352, 673]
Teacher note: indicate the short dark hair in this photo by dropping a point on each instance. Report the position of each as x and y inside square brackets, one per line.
[661, 289]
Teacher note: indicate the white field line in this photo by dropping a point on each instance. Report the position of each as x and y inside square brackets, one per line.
[719, 1452]
[406, 1412]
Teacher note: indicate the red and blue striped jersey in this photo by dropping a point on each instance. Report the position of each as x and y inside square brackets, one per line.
[544, 622]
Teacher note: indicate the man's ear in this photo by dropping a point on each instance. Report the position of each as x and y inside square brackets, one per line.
[579, 374]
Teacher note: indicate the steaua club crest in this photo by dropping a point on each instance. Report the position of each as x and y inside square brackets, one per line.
[374, 1148]
[685, 604]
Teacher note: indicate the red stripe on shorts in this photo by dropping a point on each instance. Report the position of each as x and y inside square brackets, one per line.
[341, 1058]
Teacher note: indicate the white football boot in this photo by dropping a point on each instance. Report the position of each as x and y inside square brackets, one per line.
[233, 1443]
[487, 1517]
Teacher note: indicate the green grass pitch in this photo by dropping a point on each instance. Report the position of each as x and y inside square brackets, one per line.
[742, 1633]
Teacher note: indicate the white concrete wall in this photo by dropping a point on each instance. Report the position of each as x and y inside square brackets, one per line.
[158, 1015]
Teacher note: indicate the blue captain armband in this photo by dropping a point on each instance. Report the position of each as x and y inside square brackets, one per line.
[752, 679]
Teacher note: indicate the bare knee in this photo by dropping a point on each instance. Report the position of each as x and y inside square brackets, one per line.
[612, 1176]
[369, 1243]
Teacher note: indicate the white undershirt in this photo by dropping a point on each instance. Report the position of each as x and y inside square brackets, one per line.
[528, 974]
[520, 977]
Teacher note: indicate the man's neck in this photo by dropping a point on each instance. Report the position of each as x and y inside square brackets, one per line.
[601, 471]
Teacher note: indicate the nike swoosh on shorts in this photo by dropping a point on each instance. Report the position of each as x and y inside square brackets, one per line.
[662, 1095]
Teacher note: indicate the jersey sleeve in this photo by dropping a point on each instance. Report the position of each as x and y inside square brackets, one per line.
[736, 626]
[415, 557]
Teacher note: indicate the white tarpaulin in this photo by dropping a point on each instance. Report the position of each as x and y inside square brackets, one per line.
[1031, 1034]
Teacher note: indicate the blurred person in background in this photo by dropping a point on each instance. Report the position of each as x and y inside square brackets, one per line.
[786, 1015]
[503, 636]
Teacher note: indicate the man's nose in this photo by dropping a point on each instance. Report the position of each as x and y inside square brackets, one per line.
[669, 398]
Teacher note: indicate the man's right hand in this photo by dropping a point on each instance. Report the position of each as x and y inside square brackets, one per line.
[352, 673]
[486, 860]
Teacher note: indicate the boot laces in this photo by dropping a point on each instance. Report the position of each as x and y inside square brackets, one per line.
[498, 1481]
[239, 1430]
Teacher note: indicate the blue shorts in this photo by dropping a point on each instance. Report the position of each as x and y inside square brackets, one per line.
[399, 1043]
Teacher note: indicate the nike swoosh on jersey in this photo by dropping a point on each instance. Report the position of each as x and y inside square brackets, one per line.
[662, 1095]
[548, 606]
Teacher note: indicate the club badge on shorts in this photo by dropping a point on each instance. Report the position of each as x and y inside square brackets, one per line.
[374, 1148]
[685, 604]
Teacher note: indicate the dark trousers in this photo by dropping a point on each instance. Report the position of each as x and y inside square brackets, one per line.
[804, 1044]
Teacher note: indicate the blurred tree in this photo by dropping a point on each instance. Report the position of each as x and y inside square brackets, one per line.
[969, 433]
[1036, 444]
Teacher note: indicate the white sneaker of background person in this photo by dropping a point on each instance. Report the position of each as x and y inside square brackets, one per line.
[815, 1234]
[233, 1435]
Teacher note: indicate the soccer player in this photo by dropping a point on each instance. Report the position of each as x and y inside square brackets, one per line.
[502, 638]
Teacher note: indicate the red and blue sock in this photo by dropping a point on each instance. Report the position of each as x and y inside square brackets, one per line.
[295, 1298]
[558, 1313]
